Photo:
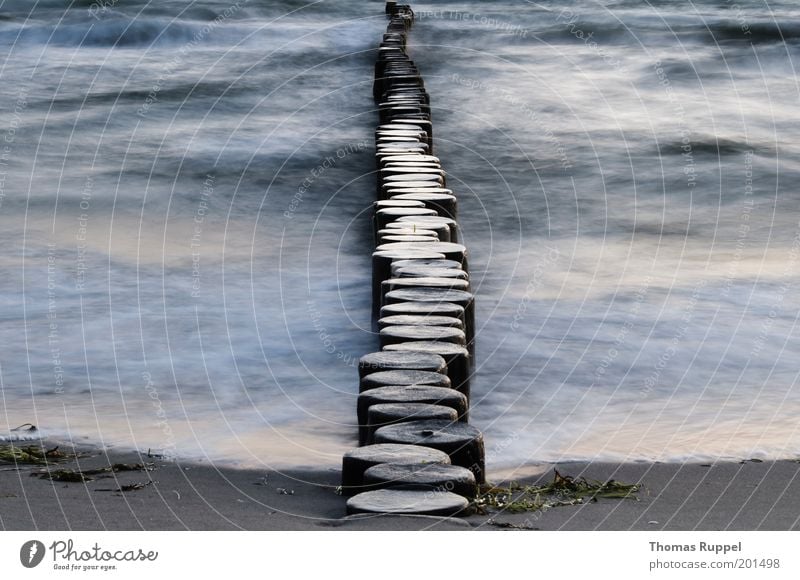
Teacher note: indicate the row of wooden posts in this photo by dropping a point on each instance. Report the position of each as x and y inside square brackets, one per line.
[418, 454]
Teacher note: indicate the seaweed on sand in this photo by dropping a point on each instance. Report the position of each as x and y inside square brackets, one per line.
[30, 454]
[82, 476]
[563, 490]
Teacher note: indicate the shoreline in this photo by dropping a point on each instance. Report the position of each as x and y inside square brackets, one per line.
[191, 495]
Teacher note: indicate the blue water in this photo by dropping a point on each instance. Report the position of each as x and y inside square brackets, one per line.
[626, 177]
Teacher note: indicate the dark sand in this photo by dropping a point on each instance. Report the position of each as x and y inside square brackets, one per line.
[194, 496]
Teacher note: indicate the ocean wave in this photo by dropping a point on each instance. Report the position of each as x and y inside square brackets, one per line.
[638, 27]
[119, 31]
[710, 145]
[755, 32]
[21, 435]
[178, 93]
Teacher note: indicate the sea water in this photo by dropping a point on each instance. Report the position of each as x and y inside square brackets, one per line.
[185, 197]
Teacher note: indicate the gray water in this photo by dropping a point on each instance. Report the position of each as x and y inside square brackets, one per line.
[626, 176]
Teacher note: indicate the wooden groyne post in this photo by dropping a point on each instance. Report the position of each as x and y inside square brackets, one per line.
[418, 454]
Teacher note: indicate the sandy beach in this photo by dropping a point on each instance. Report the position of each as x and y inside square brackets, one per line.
[177, 495]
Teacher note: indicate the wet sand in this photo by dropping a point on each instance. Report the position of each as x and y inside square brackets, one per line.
[177, 495]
